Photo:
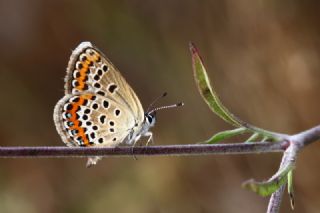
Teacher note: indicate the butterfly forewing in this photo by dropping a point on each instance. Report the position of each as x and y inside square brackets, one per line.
[89, 70]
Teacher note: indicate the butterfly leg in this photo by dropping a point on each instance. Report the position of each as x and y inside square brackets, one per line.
[150, 139]
[134, 145]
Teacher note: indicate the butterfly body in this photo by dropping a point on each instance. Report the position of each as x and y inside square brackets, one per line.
[99, 107]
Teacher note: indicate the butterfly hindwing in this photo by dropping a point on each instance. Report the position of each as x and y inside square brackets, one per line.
[86, 119]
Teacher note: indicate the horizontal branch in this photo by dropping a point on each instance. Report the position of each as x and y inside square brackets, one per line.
[170, 150]
[304, 138]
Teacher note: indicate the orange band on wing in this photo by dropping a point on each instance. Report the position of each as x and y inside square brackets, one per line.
[84, 71]
[76, 122]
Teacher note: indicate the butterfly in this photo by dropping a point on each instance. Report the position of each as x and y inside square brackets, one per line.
[99, 107]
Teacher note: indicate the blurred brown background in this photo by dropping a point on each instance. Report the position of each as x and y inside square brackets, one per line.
[262, 57]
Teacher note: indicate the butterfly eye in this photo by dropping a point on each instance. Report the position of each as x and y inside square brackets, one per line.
[149, 118]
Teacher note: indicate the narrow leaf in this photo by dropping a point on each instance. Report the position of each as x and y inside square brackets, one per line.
[211, 98]
[206, 90]
[290, 189]
[266, 188]
[225, 134]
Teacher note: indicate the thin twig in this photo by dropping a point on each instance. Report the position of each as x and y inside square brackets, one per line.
[171, 150]
[304, 138]
[297, 143]
[275, 200]
[276, 197]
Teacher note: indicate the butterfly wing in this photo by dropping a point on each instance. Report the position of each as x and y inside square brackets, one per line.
[87, 119]
[99, 106]
[89, 70]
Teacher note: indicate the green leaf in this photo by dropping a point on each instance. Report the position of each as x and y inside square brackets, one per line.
[290, 188]
[211, 98]
[206, 90]
[225, 134]
[253, 138]
[266, 188]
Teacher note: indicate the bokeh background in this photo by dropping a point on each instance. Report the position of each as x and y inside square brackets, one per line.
[262, 57]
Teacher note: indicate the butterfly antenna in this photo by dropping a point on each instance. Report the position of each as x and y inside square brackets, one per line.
[166, 107]
[156, 100]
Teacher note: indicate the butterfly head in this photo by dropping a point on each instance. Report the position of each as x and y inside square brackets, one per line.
[150, 118]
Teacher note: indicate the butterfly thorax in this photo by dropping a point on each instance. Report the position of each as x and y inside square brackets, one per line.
[140, 130]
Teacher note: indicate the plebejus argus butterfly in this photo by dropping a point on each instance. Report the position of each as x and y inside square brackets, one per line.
[99, 107]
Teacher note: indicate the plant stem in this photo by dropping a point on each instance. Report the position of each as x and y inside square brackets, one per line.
[171, 150]
[276, 197]
[298, 142]
[275, 200]
[304, 138]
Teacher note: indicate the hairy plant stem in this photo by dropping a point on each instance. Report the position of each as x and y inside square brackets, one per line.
[171, 150]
